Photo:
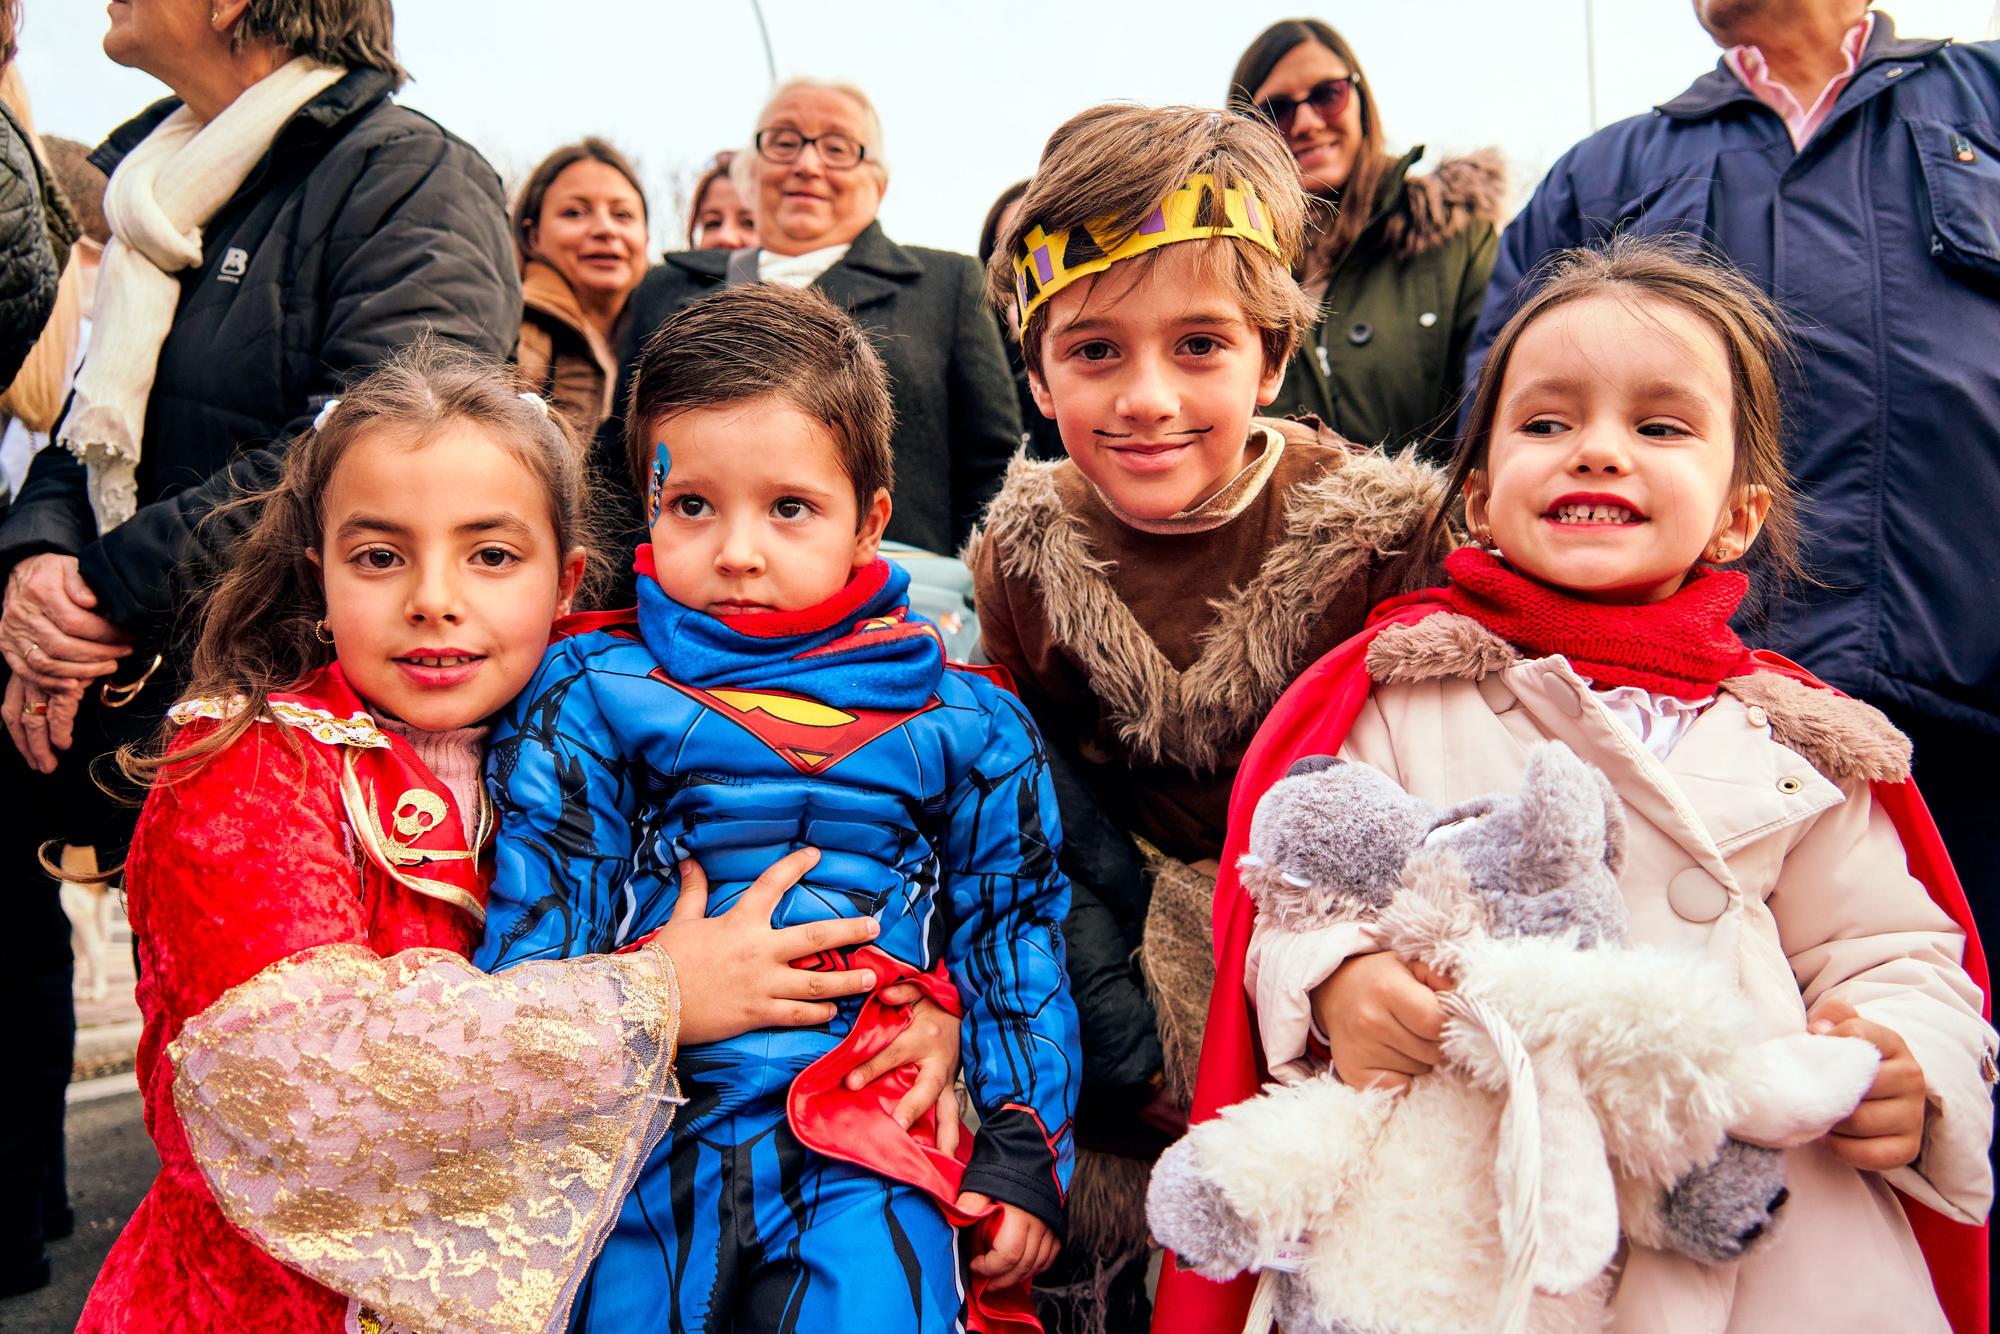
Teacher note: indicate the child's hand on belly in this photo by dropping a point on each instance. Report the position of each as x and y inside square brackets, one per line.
[931, 1044]
[736, 971]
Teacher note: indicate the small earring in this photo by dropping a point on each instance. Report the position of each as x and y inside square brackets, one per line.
[1721, 553]
[320, 631]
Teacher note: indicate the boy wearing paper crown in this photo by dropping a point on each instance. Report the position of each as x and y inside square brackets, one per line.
[1154, 593]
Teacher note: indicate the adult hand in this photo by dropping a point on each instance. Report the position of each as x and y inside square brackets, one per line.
[1887, 1129]
[736, 970]
[930, 1043]
[1383, 1023]
[1022, 1247]
[50, 632]
[39, 721]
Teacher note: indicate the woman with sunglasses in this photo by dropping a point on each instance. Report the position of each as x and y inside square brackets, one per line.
[1398, 262]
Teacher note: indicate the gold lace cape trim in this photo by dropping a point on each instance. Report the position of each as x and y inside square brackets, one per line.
[321, 725]
[447, 1147]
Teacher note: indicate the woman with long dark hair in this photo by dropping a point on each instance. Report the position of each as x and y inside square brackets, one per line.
[1398, 262]
[580, 233]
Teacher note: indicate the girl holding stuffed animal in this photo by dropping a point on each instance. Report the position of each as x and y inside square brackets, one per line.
[311, 868]
[1621, 457]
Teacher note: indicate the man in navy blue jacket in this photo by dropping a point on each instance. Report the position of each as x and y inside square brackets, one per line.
[1855, 175]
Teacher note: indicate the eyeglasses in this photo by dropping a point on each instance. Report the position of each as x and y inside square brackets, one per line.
[1327, 98]
[835, 150]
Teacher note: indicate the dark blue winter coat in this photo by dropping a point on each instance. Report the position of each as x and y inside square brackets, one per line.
[1881, 241]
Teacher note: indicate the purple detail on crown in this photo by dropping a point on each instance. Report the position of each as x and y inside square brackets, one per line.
[1043, 269]
[1021, 288]
[1250, 210]
[1155, 222]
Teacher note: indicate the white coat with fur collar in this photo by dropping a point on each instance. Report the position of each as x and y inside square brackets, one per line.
[1756, 842]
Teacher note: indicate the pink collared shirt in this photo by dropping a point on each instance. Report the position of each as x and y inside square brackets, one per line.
[1747, 64]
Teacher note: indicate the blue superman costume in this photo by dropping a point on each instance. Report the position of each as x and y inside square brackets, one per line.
[645, 738]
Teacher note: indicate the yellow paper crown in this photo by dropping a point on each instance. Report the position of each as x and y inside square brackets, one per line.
[1049, 263]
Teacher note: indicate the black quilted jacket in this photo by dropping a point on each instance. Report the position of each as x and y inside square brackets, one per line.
[28, 269]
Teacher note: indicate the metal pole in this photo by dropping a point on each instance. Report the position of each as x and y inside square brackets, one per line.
[770, 61]
[1590, 57]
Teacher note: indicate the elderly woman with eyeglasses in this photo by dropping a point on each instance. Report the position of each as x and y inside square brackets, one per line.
[818, 176]
[1398, 262]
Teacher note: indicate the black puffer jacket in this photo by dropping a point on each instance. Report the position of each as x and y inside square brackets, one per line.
[28, 270]
[365, 225]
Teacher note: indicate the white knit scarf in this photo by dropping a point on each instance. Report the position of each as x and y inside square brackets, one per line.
[157, 201]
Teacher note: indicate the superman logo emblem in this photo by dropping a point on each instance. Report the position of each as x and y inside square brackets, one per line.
[810, 736]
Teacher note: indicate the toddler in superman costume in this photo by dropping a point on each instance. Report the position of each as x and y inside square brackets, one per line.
[770, 693]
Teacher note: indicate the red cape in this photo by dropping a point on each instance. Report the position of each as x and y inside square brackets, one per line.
[1313, 717]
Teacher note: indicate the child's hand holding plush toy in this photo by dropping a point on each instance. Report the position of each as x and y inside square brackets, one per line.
[1578, 1094]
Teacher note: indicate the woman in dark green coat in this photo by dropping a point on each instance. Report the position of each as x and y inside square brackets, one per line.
[1399, 262]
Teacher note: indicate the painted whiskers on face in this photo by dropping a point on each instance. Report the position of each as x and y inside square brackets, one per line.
[1152, 372]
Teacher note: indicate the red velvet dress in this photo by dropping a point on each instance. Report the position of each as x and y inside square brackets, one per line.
[245, 863]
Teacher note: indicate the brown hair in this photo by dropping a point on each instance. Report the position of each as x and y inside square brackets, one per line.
[82, 184]
[1110, 166]
[717, 169]
[764, 339]
[989, 230]
[257, 626]
[1712, 290]
[10, 28]
[354, 34]
[1334, 223]
[590, 148]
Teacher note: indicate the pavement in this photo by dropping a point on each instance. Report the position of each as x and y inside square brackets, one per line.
[111, 1166]
[111, 1158]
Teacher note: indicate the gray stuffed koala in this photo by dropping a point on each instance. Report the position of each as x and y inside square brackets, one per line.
[1592, 1068]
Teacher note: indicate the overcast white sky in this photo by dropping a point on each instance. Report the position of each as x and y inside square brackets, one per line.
[968, 91]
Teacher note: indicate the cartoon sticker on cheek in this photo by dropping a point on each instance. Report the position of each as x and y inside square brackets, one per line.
[663, 462]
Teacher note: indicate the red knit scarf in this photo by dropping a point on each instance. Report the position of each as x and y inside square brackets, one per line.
[1680, 646]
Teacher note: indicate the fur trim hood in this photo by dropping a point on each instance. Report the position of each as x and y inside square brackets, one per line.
[1843, 738]
[1441, 204]
[1367, 507]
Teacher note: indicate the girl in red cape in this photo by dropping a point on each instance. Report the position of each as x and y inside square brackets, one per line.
[1622, 450]
[357, 1129]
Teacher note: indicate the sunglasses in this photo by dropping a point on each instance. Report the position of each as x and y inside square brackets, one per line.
[1327, 98]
